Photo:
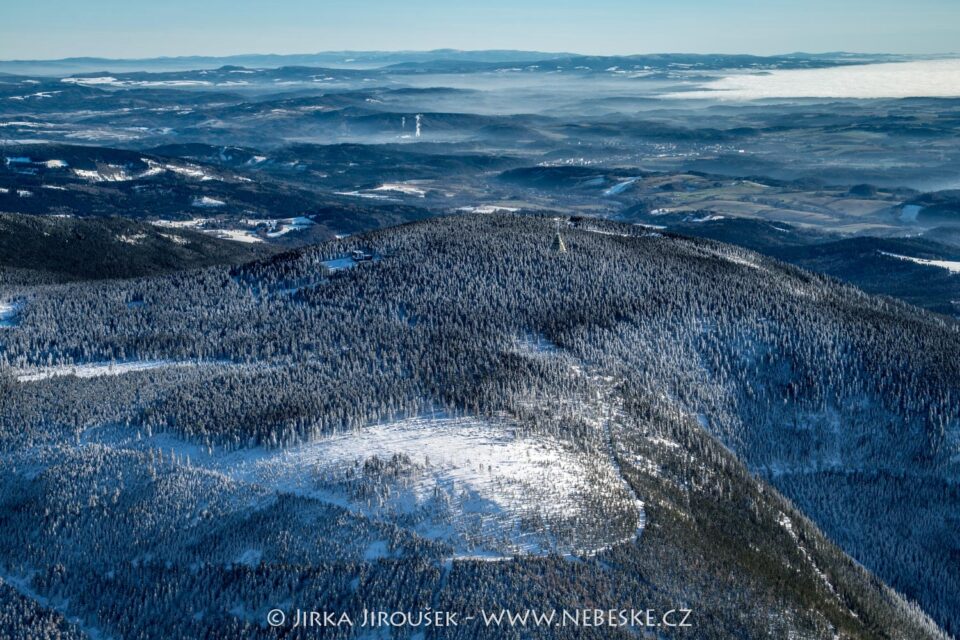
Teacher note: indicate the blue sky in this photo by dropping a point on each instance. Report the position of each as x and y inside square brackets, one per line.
[40, 29]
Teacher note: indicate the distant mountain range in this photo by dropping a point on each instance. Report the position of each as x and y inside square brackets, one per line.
[423, 59]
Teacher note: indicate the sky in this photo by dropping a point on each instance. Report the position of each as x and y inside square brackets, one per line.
[49, 29]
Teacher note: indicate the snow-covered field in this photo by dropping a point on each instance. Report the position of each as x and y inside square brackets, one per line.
[175, 238]
[135, 239]
[489, 208]
[237, 235]
[112, 174]
[950, 265]
[275, 227]
[117, 173]
[201, 225]
[96, 369]
[361, 194]
[406, 189]
[189, 171]
[207, 201]
[474, 484]
[194, 223]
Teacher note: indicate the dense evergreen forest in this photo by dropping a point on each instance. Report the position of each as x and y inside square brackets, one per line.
[767, 420]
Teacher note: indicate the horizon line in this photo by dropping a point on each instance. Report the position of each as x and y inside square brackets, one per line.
[461, 51]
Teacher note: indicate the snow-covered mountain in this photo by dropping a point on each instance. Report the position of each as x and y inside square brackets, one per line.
[643, 420]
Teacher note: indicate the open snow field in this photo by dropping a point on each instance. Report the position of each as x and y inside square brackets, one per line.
[97, 369]
[950, 265]
[473, 484]
[402, 188]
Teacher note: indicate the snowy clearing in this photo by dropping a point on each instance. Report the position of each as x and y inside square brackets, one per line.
[188, 171]
[97, 369]
[474, 484]
[193, 223]
[489, 208]
[136, 238]
[402, 188]
[201, 225]
[175, 238]
[360, 194]
[236, 235]
[108, 174]
[950, 265]
[207, 201]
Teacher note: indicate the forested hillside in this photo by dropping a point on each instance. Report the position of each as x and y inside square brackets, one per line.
[59, 248]
[227, 440]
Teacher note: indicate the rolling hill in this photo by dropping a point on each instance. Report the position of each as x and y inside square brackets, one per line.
[65, 248]
[470, 420]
